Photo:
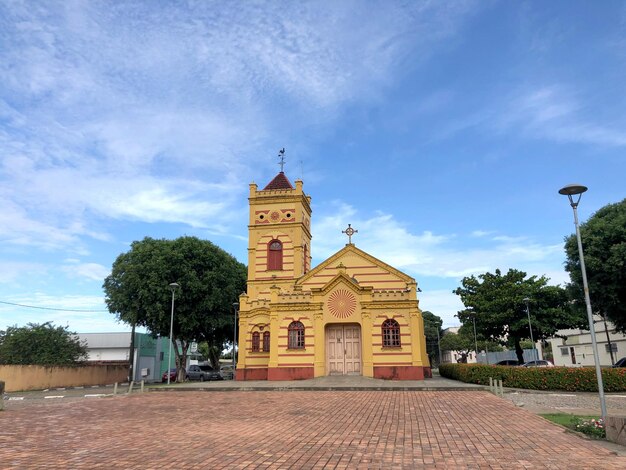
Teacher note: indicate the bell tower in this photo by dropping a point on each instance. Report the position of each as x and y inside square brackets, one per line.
[279, 235]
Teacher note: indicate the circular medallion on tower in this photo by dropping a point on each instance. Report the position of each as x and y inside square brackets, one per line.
[341, 303]
[275, 216]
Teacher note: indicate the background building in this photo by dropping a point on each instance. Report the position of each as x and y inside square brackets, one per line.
[575, 349]
[150, 354]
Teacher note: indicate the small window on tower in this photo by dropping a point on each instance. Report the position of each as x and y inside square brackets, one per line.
[275, 256]
[305, 260]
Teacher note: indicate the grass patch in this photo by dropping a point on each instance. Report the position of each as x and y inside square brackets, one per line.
[589, 425]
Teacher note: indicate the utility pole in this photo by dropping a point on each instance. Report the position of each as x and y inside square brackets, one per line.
[131, 356]
[438, 344]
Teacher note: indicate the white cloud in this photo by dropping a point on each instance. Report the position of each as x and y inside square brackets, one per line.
[100, 120]
[428, 254]
[91, 271]
[95, 317]
[442, 303]
[11, 272]
[555, 112]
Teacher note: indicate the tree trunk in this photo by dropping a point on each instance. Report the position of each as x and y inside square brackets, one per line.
[608, 340]
[181, 360]
[519, 352]
[213, 355]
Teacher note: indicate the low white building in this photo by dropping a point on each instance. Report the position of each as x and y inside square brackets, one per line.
[453, 356]
[106, 347]
[577, 351]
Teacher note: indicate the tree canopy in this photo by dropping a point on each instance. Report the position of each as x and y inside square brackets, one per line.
[604, 245]
[137, 290]
[497, 302]
[42, 344]
[432, 331]
[457, 342]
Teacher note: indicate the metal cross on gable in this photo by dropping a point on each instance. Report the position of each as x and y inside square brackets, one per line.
[349, 231]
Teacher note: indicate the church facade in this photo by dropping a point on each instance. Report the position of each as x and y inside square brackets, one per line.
[351, 315]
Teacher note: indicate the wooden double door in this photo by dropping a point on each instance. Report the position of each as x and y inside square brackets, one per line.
[343, 350]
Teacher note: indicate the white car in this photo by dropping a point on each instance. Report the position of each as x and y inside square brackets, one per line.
[538, 364]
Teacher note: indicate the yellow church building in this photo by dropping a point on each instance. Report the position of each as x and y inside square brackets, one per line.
[351, 315]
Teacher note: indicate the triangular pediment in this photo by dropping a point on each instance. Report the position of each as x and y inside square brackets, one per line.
[359, 268]
[344, 280]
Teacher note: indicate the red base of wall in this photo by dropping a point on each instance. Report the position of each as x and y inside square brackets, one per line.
[251, 374]
[402, 372]
[290, 373]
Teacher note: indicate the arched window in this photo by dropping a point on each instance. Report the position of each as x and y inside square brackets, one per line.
[391, 334]
[296, 335]
[266, 341]
[275, 255]
[256, 339]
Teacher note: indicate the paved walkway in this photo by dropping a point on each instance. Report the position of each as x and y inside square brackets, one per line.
[295, 429]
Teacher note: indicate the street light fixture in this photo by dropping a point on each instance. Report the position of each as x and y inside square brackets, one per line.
[173, 287]
[570, 191]
[236, 309]
[530, 326]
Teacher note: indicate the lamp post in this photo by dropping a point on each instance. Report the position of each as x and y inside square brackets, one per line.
[570, 191]
[236, 309]
[173, 287]
[530, 326]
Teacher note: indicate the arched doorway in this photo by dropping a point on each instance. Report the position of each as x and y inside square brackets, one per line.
[343, 349]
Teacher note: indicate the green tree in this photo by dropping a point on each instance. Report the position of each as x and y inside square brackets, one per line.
[604, 244]
[497, 303]
[43, 344]
[137, 291]
[211, 354]
[457, 342]
[432, 331]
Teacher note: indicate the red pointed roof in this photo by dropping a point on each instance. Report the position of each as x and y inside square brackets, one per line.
[280, 181]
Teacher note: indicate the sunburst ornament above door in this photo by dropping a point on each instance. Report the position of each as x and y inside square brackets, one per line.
[341, 303]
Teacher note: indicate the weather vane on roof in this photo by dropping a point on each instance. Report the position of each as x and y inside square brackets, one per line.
[349, 231]
[281, 155]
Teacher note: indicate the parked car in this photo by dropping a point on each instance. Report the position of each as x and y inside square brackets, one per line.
[621, 362]
[172, 375]
[507, 362]
[227, 372]
[541, 363]
[202, 373]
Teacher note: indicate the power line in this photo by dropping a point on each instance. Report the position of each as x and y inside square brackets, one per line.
[56, 309]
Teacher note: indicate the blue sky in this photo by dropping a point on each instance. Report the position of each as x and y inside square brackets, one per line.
[442, 131]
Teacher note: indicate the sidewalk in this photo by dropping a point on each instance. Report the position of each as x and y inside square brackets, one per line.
[328, 383]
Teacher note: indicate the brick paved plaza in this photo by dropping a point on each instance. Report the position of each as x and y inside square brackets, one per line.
[292, 429]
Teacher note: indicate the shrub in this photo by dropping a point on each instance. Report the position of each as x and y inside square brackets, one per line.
[592, 427]
[538, 378]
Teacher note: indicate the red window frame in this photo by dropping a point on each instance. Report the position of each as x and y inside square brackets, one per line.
[275, 255]
[256, 342]
[266, 341]
[391, 334]
[295, 335]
